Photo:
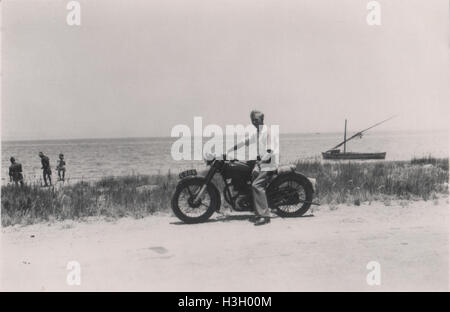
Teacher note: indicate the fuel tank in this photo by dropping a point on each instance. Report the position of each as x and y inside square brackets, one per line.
[239, 171]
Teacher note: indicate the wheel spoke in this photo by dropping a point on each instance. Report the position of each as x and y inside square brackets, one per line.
[186, 201]
[186, 192]
[189, 191]
[291, 190]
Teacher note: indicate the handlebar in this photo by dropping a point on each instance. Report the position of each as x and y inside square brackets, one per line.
[210, 157]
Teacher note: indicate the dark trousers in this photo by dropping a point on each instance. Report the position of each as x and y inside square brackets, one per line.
[47, 173]
[18, 179]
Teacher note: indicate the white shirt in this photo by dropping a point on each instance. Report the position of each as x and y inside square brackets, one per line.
[261, 141]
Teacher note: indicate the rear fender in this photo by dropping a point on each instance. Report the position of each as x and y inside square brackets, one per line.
[310, 181]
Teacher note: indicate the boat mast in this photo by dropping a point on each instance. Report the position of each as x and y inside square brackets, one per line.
[345, 135]
[358, 134]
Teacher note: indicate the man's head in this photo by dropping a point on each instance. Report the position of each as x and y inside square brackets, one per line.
[41, 154]
[257, 118]
[12, 160]
[61, 156]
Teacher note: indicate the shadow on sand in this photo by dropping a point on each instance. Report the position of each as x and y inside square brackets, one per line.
[235, 217]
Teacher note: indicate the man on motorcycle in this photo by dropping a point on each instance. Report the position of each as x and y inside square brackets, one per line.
[266, 165]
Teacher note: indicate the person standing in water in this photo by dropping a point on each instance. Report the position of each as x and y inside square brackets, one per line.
[61, 167]
[46, 170]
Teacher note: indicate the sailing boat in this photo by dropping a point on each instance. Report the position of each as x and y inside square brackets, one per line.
[335, 152]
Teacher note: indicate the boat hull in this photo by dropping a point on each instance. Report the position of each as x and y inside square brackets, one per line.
[344, 156]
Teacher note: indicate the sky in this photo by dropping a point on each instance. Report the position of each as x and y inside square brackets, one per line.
[138, 68]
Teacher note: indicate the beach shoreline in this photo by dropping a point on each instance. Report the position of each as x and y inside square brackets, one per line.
[93, 159]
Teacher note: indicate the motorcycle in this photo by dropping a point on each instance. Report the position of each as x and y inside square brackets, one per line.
[196, 198]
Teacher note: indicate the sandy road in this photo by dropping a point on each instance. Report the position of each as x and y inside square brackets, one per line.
[327, 251]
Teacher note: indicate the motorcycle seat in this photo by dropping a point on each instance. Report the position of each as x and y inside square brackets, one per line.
[286, 169]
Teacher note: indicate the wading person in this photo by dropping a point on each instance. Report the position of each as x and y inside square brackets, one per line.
[15, 172]
[61, 167]
[46, 171]
[266, 164]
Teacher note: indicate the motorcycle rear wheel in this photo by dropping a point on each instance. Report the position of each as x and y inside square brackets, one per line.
[183, 201]
[290, 185]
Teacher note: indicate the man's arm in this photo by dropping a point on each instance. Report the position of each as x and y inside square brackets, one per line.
[246, 142]
[266, 157]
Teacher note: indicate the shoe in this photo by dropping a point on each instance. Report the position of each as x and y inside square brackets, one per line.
[262, 220]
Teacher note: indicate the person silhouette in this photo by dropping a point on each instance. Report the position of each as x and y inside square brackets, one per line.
[46, 170]
[15, 172]
[61, 167]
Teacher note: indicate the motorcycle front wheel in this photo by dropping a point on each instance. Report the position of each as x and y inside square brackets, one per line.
[188, 211]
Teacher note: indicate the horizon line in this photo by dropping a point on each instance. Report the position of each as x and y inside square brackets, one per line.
[165, 137]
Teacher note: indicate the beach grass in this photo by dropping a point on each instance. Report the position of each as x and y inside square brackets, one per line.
[141, 195]
[356, 182]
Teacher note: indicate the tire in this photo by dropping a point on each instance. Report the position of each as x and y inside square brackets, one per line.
[186, 191]
[295, 180]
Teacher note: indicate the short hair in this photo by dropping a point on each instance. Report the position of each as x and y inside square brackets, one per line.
[257, 114]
